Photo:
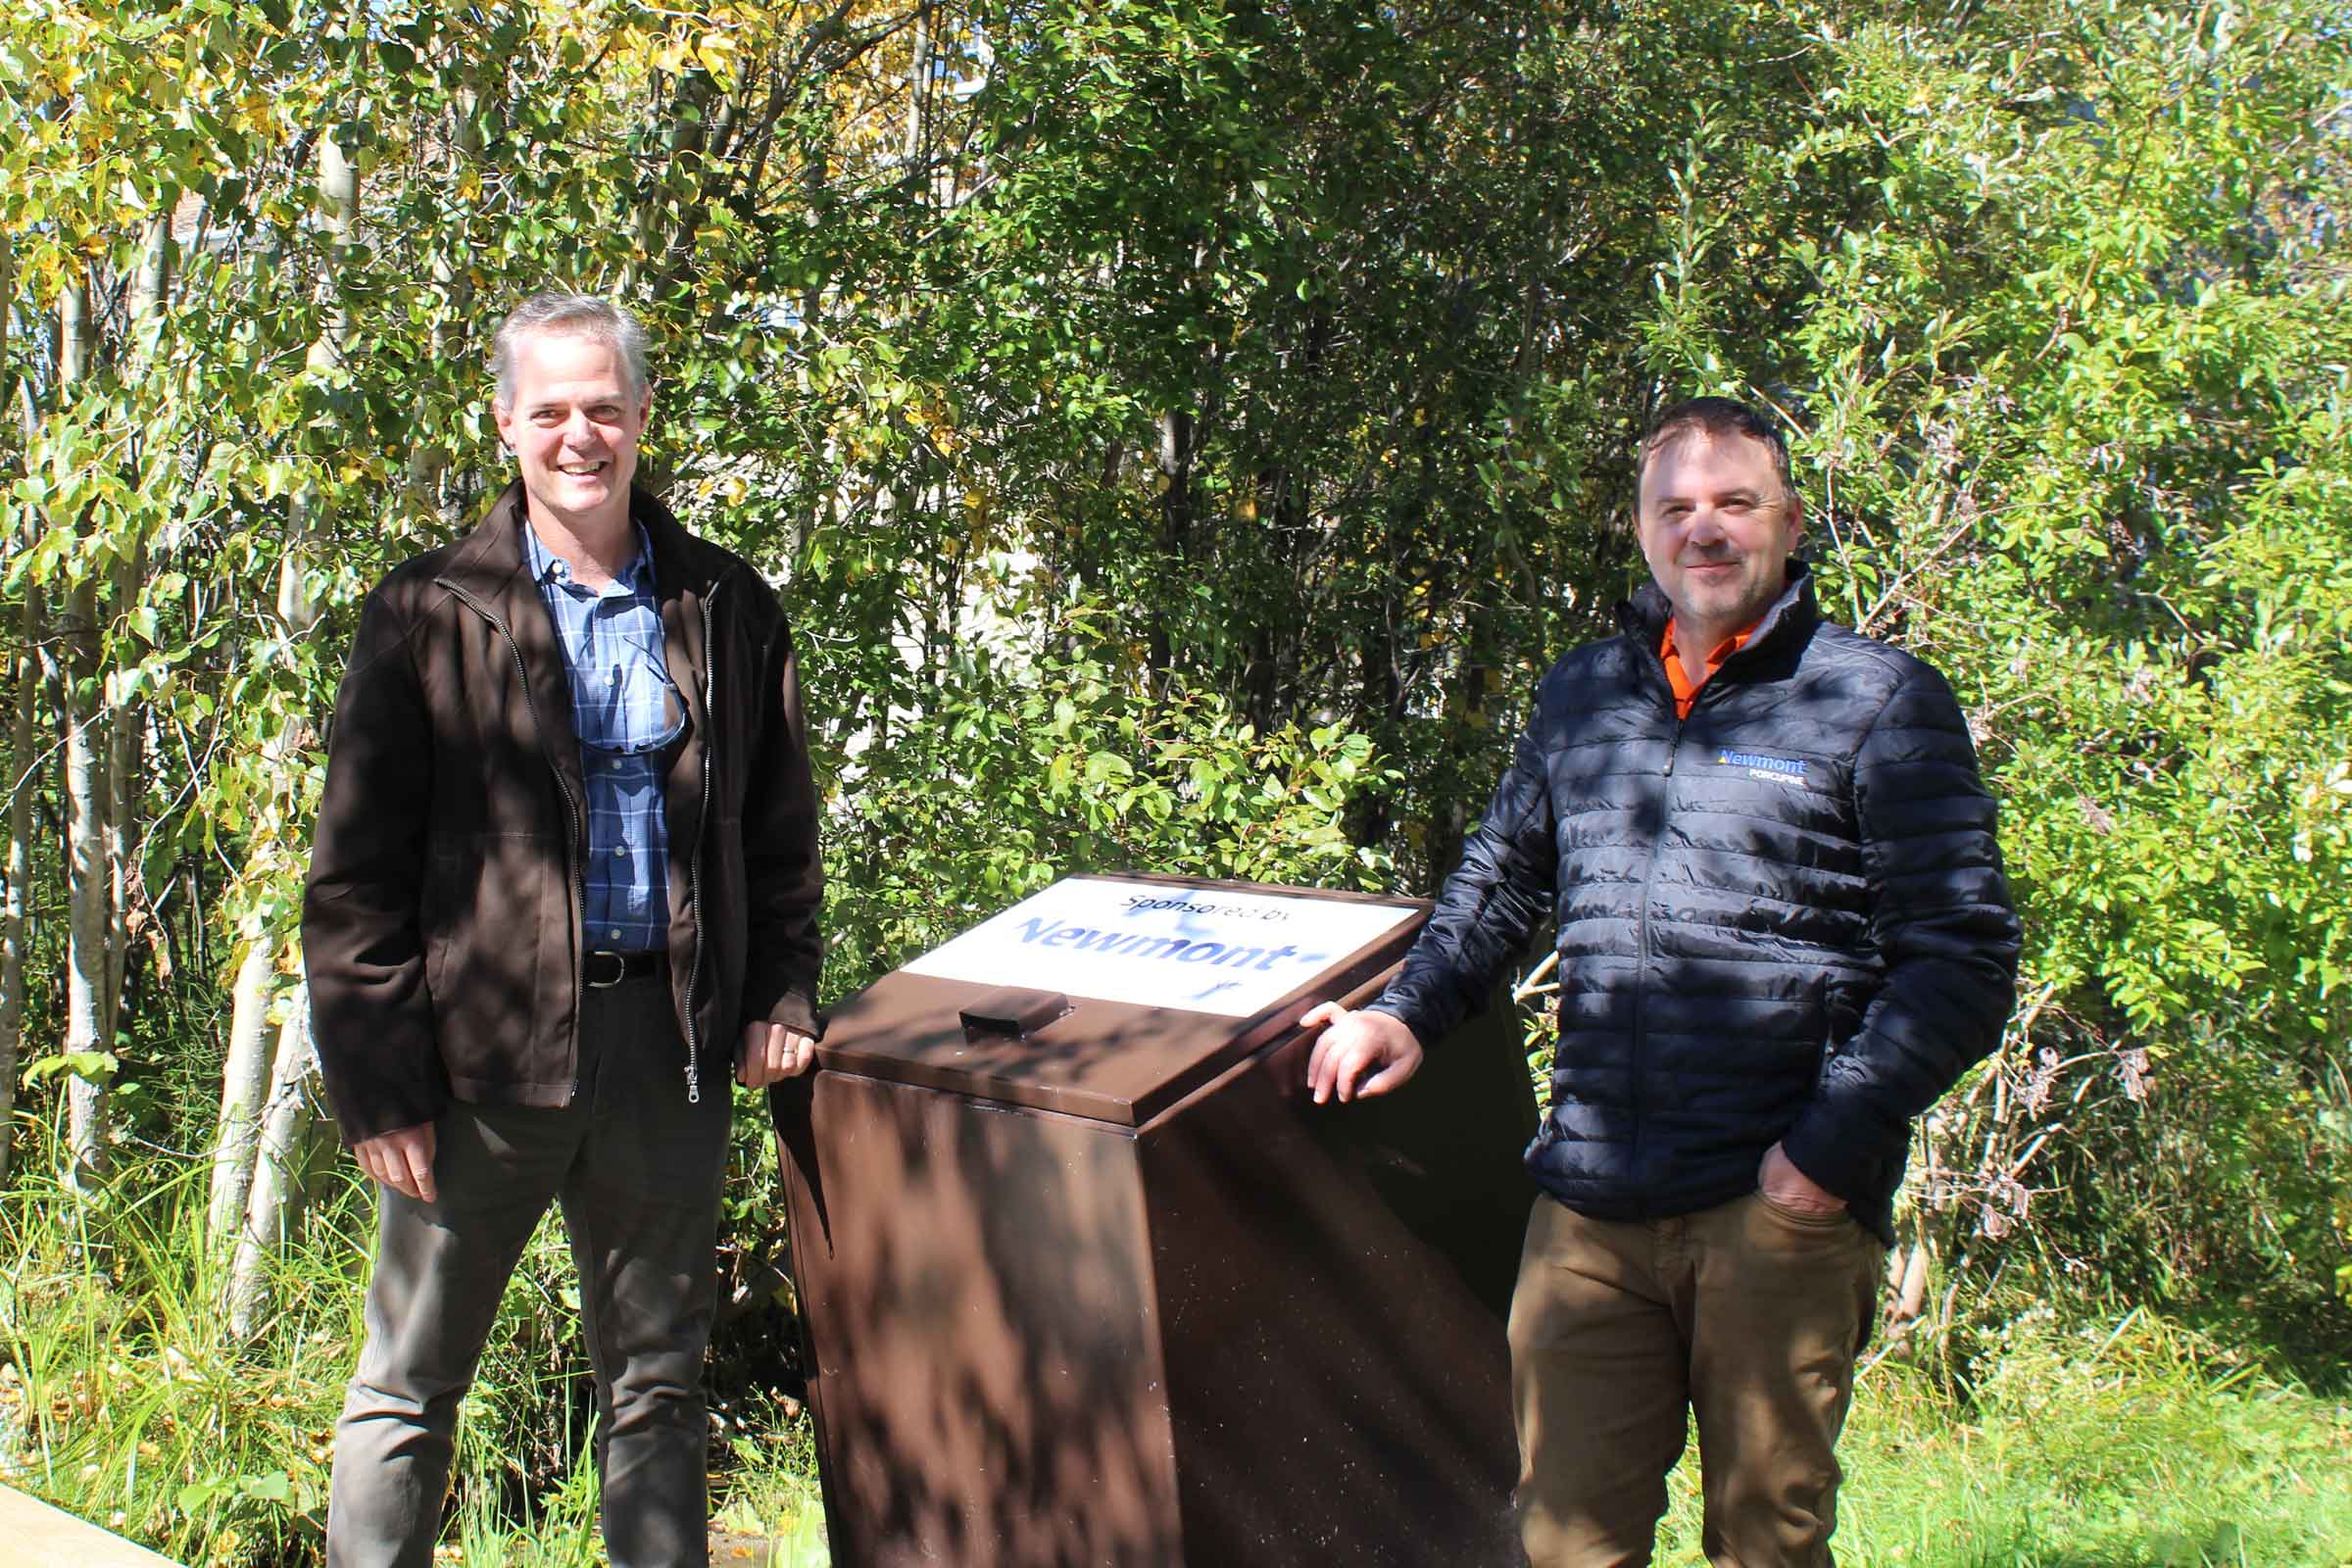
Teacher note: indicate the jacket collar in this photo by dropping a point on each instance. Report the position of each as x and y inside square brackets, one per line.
[489, 567]
[491, 563]
[1791, 617]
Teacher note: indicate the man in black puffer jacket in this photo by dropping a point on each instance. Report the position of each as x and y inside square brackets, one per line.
[1783, 931]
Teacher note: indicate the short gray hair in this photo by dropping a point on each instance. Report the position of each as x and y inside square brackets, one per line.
[582, 314]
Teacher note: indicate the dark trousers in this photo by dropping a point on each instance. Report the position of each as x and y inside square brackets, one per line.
[1750, 1315]
[636, 1170]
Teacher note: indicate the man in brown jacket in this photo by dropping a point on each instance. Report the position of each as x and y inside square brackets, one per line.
[566, 870]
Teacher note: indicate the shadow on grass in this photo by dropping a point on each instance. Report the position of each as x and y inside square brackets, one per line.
[2223, 1547]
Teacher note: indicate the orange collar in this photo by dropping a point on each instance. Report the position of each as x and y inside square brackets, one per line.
[1686, 690]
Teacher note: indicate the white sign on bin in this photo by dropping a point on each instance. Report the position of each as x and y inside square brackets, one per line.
[1201, 949]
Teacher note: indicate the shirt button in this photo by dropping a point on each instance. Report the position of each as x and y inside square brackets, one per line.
[612, 934]
[614, 677]
[620, 852]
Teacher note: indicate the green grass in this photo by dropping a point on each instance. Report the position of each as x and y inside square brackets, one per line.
[2129, 1447]
[120, 1397]
[123, 1400]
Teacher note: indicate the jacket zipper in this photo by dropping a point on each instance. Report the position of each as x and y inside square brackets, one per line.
[1650, 868]
[694, 862]
[573, 815]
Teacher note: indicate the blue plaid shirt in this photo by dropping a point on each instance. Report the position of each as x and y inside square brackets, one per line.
[625, 712]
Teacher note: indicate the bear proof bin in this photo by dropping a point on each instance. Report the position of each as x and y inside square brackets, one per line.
[1085, 1278]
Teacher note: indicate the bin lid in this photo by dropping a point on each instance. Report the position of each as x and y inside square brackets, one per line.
[1162, 983]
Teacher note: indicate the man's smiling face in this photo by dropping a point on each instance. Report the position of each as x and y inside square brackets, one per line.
[574, 423]
[1717, 526]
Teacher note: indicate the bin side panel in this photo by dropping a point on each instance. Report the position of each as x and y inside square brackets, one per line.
[1340, 1393]
[976, 1289]
[1447, 1153]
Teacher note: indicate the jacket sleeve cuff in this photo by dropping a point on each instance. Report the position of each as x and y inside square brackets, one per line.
[1830, 1159]
[796, 1012]
[1415, 1019]
[386, 1108]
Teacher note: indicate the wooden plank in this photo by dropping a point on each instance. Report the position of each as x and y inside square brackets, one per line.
[34, 1535]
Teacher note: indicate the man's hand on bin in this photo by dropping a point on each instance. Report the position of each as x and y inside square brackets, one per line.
[770, 1053]
[1354, 1044]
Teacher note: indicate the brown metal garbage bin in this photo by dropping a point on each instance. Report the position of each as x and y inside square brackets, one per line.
[1085, 1279]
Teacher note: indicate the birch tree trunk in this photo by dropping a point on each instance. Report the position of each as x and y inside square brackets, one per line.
[918, 92]
[428, 459]
[243, 1077]
[89, 970]
[235, 1140]
[125, 723]
[1177, 450]
[339, 195]
[15, 902]
[285, 1130]
[89, 1027]
[259, 1142]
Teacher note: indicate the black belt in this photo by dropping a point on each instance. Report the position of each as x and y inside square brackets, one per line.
[605, 970]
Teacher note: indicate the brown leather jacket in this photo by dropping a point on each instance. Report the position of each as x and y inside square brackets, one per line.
[441, 924]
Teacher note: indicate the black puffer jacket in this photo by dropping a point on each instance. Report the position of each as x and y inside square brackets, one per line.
[1780, 920]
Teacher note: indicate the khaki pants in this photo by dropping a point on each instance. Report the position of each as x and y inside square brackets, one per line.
[1748, 1314]
[636, 1170]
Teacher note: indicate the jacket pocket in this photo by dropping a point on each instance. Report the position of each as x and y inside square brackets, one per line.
[497, 943]
[445, 870]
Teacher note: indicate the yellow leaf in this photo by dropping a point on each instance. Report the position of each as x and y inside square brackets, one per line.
[717, 52]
